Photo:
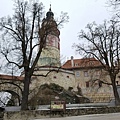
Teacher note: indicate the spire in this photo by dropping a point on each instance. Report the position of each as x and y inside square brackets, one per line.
[50, 8]
[49, 14]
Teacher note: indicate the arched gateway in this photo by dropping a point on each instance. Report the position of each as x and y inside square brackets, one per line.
[12, 85]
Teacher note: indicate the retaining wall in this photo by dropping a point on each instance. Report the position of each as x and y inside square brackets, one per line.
[38, 114]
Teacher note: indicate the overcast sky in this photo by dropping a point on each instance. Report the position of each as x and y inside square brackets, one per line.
[81, 12]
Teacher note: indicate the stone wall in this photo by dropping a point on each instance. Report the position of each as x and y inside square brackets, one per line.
[1, 115]
[37, 114]
[58, 76]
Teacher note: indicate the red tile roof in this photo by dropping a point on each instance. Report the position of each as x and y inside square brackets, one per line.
[9, 77]
[82, 63]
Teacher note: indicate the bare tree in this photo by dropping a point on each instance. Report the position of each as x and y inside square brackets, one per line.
[98, 77]
[103, 43]
[24, 38]
[115, 5]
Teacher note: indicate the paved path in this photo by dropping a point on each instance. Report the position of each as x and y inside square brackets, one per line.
[110, 116]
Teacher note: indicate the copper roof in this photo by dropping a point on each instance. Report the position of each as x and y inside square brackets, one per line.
[82, 63]
[9, 77]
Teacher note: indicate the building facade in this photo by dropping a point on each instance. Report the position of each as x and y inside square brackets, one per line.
[92, 78]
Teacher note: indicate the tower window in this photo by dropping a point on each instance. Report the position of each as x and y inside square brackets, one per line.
[54, 77]
[100, 83]
[67, 76]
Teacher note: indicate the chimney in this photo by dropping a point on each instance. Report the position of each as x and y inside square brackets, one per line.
[72, 61]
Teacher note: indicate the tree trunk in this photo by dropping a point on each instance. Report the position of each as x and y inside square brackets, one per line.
[24, 104]
[116, 95]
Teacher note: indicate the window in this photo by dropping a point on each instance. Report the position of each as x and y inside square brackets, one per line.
[77, 73]
[97, 72]
[67, 76]
[85, 73]
[100, 83]
[54, 77]
[76, 64]
[91, 64]
[117, 82]
[87, 84]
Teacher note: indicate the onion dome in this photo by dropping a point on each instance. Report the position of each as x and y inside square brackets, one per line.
[49, 14]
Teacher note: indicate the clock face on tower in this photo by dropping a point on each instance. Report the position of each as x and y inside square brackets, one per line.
[53, 41]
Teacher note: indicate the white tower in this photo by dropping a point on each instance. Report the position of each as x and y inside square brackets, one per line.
[50, 55]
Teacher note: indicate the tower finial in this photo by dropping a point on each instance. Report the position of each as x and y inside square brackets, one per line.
[50, 7]
[50, 13]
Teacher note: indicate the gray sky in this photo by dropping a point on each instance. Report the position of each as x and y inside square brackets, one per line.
[81, 12]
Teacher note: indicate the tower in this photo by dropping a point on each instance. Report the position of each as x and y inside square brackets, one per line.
[50, 55]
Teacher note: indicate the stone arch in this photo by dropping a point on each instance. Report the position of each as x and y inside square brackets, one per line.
[14, 93]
